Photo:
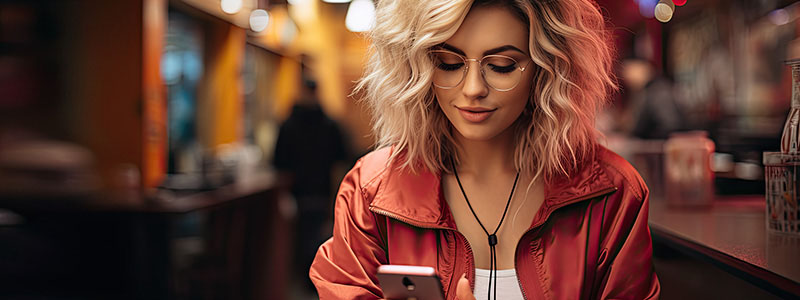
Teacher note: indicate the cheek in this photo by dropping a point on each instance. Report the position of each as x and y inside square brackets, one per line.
[444, 97]
[438, 95]
[521, 95]
[526, 88]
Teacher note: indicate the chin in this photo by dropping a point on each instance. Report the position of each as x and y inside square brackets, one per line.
[477, 134]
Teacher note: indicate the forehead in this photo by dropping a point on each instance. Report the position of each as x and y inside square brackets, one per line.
[487, 27]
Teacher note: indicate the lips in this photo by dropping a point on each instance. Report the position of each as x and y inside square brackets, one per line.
[475, 114]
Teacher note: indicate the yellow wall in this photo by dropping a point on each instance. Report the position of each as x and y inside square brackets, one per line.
[286, 86]
[102, 54]
[283, 83]
[220, 95]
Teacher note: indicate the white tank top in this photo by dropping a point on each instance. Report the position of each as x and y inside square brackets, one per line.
[507, 285]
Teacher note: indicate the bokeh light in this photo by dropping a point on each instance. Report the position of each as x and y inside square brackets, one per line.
[647, 7]
[231, 6]
[259, 20]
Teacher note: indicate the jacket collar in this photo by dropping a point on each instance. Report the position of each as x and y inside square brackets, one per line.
[417, 199]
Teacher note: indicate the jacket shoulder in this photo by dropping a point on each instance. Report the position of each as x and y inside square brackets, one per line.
[621, 172]
[372, 168]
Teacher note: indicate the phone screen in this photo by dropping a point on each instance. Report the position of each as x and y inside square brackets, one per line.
[410, 282]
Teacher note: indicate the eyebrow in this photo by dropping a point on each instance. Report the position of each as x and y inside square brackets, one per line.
[487, 52]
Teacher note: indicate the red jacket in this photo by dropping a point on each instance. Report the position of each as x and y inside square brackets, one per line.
[589, 239]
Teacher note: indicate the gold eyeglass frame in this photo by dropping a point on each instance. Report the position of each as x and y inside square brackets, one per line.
[480, 63]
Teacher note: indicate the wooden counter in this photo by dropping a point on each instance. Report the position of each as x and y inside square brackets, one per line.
[732, 235]
[133, 245]
[136, 201]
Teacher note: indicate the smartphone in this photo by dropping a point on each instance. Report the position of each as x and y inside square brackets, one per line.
[410, 282]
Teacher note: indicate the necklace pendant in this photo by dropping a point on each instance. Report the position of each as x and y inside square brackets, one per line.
[492, 240]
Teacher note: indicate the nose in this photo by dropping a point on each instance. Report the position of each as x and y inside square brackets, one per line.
[474, 85]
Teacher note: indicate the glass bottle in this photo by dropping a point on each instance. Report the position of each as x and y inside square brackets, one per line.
[782, 169]
[791, 129]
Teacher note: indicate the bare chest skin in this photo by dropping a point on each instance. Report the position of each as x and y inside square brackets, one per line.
[488, 198]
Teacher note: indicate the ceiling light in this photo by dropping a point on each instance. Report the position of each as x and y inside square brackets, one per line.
[360, 16]
[259, 20]
[231, 6]
[664, 10]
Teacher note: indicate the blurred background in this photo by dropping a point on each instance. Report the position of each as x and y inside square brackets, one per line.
[150, 149]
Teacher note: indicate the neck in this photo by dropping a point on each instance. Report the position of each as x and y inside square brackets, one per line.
[486, 158]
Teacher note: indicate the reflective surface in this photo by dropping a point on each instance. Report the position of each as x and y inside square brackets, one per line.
[732, 233]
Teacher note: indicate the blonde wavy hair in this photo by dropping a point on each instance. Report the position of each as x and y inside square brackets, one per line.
[568, 41]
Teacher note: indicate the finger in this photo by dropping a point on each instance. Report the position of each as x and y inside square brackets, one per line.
[463, 291]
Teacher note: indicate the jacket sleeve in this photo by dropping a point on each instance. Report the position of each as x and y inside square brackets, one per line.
[630, 273]
[346, 264]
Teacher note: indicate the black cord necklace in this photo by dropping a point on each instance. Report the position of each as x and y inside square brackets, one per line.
[491, 237]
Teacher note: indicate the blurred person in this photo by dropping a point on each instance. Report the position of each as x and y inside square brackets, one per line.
[309, 145]
[487, 166]
[652, 112]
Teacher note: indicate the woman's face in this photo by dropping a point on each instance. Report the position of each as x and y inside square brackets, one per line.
[476, 110]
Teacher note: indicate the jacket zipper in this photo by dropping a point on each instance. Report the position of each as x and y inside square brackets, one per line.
[516, 270]
[404, 219]
[471, 256]
[554, 208]
[469, 247]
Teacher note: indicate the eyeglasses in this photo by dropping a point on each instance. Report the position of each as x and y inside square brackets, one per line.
[500, 72]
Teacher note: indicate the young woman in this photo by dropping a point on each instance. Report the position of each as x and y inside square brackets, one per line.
[488, 166]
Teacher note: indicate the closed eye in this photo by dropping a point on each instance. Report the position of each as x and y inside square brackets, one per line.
[449, 67]
[503, 69]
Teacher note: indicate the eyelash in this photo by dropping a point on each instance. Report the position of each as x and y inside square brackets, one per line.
[503, 69]
[498, 69]
[450, 67]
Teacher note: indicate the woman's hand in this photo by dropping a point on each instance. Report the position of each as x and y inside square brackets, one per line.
[463, 291]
